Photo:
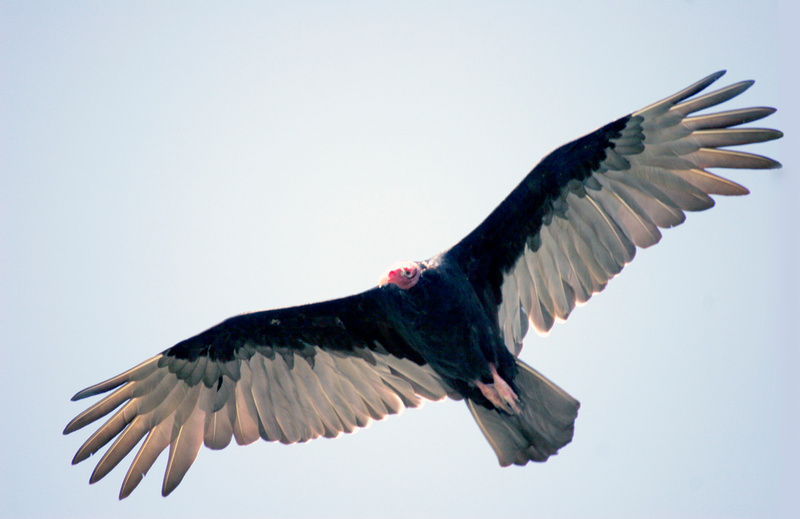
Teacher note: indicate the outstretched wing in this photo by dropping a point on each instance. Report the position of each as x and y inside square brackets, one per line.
[577, 218]
[286, 375]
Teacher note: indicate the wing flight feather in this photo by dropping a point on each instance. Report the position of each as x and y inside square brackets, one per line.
[290, 375]
[576, 220]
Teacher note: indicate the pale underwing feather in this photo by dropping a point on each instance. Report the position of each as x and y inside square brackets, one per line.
[727, 118]
[100, 409]
[218, 429]
[589, 245]
[717, 138]
[245, 422]
[423, 379]
[157, 440]
[552, 282]
[312, 401]
[106, 432]
[323, 406]
[714, 158]
[124, 443]
[344, 400]
[306, 412]
[711, 183]
[581, 266]
[653, 171]
[135, 373]
[269, 427]
[403, 392]
[712, 98]
[284, 402]
[541, 315]
[187, 437]
[510, 291]
[367, 392]
[590, 252]
[636, 226]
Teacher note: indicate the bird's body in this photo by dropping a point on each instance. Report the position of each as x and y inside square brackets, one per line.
[442, 318]
[449, 326]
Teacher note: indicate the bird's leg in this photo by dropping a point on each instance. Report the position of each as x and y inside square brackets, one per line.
[499, 392]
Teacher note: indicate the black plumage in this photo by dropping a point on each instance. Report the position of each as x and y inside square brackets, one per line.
[449, 326]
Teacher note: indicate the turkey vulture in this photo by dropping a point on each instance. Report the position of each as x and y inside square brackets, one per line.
[452, 325]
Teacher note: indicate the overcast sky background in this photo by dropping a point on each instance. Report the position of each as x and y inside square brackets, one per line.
[166, 165]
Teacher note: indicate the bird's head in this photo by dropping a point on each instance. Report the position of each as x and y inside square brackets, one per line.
[404, 274]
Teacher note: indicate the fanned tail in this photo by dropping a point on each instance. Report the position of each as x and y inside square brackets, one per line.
[544, 425]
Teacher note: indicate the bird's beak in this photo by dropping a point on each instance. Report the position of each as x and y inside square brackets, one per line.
[387, 278]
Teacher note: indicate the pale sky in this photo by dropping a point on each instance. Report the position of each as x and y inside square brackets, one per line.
[164, 166]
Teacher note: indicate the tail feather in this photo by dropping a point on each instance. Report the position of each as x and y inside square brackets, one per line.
[544, 425]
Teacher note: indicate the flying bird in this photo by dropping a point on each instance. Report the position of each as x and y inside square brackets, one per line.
[450, 326]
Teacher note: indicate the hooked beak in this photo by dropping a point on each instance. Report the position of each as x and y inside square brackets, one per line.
[388, 277]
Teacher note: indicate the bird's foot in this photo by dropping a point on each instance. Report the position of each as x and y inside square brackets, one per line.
[499, 393]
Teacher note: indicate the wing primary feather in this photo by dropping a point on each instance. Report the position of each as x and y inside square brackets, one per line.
[713, 158]
[136, 373]
[727, 118]
[710, 183]
[720, 138]
[157, 440]
[155, 397]
[124, 443]
[106, 432]
[666, 103]
[187, 437]
[712, 98]
[100, 409]
[150, 410]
